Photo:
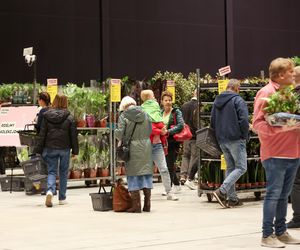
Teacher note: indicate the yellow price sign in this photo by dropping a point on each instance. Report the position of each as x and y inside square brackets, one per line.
[223, 163]
[52, 88]
[115, 90]
[222, 85]
[171, 89]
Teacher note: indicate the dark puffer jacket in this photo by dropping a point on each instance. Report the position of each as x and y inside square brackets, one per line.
[58, 131]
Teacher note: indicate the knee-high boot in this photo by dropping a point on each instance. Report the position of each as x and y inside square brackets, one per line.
[147, 197]
[136, 202]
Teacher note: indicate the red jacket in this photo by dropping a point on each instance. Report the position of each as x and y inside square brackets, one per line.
[156, 130]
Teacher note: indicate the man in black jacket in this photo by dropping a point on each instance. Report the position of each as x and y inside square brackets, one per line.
[229, 119]
[190, 156]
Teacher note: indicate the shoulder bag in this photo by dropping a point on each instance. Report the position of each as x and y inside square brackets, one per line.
[185, 134]
[123, 150]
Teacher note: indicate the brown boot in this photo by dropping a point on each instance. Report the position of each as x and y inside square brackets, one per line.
[147, 196]
[136, 202]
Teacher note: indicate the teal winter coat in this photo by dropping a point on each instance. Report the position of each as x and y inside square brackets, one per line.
[140, 162]
[178, 126]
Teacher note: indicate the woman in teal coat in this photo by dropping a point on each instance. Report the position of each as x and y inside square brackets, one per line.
[172, 118]
[139, 168]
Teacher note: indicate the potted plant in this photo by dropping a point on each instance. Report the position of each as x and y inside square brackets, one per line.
[75, 170]
[103, 169]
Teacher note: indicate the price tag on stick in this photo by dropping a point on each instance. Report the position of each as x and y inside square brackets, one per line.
[115, 90]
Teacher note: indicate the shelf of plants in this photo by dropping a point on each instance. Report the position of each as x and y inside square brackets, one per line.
[210, 174]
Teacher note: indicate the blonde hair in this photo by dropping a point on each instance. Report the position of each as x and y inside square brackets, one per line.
[279, 65]
[147, 94]
[297, 74]
[60, 102]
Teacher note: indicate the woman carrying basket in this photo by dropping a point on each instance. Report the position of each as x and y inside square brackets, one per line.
[58, 135]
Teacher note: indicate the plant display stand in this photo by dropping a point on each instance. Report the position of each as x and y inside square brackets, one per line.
[210, 175]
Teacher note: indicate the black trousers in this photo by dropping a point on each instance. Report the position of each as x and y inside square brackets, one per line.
[296, 198]
[171, 158]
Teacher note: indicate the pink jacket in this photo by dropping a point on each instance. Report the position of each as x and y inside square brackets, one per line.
[273, 142]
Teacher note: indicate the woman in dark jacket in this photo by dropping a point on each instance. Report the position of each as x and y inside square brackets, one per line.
[172, 118]
[44, 103]
[57, 136]
[139, 168]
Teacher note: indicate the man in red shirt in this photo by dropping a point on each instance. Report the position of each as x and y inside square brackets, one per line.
[280, 156]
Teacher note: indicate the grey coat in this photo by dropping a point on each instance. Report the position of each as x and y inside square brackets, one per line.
[140, 162]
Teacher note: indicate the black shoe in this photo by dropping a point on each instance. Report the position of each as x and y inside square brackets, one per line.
[237, 203]
[221, 198]
[293, 224]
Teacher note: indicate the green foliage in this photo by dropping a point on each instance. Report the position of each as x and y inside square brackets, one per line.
[84, 100]
[184, 87]
[296, 60]
[284, 100]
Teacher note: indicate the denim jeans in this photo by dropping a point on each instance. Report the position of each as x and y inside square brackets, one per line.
[159, 159]
[236, 160]
[280, 174]
[57, 158]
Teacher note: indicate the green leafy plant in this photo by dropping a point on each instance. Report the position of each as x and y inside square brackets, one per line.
[284, 100]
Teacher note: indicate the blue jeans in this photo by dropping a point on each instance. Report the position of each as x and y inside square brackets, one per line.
[57, 158]
[236, 160]
[159, 159]
[280, 175]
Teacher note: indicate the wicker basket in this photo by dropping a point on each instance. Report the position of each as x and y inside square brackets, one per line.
[207, 142]
[35, 169]
[28, 137]
[102, 201]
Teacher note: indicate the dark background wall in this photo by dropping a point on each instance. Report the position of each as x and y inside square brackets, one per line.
[80, 40]
[260, 32]
[65, 36]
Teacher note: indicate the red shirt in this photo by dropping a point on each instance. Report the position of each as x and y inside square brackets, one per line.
[273, 142]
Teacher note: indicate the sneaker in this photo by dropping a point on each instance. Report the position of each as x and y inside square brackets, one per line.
[288, 239]
[190, 185]
[272, 241]
[164, 193]
[221, 198]
[182, 180]
[231, 203]
[293, 224]
[172, 197]
[62, 202]
[49, 196]
[176, 189]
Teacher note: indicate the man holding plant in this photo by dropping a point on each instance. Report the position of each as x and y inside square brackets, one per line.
[280, 156]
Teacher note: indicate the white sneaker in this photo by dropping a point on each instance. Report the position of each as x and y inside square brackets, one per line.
[172, 197]
[164, 193]
[190, 185]
[49, 197]
[176, 189]
[62, 202]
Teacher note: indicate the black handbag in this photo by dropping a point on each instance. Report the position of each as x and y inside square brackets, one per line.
[123, 151]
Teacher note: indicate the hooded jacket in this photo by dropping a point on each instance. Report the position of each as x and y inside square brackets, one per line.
[229, 117]
[58, 131]
[140, 162]
[151, 107]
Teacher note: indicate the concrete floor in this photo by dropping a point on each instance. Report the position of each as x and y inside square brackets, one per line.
[190, 223]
